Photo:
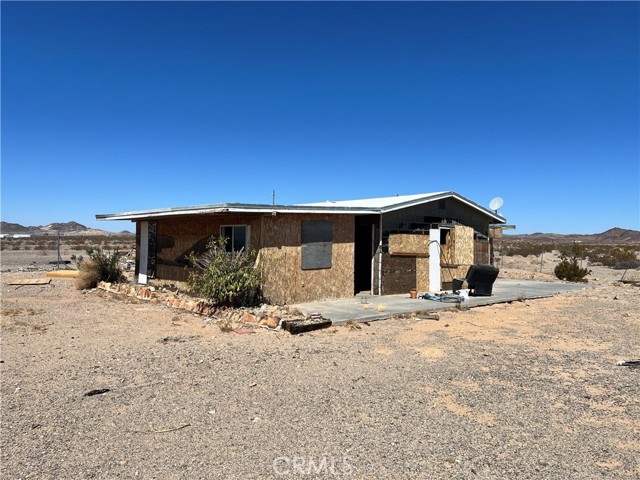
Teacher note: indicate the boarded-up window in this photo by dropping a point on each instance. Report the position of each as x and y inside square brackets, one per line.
[317, 244]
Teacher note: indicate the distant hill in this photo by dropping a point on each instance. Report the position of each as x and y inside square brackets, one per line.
[68, 228]
[612, 236]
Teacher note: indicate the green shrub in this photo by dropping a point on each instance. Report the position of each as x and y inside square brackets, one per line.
[225, 278]
[568, 269]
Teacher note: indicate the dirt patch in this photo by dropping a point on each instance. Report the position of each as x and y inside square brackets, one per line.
[523, 390]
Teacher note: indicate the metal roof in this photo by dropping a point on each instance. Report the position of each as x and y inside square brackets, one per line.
[377, 203]
[365, 206]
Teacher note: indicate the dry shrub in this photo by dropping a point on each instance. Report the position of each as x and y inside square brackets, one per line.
[226, 325]
[89, 274]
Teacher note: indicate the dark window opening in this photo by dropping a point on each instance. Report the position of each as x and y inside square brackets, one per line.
[237, 238]
[442, 204]
[443, 236]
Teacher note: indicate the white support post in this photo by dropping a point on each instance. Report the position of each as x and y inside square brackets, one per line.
[434, 260]
[144, 252]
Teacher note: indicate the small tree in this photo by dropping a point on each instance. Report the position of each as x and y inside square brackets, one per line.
[226, 278]
[568, 269]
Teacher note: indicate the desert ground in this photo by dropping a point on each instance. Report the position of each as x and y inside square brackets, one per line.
[524, 390]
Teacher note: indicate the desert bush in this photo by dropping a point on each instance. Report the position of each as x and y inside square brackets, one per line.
[100, 266]
[88, 275]
[225, 278]
[574, 249]
[568, 269]
[610, 256]
[627, 265]
[526, 249]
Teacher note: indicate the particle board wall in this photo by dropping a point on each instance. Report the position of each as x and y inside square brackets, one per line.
[280, 260]
[457, 255]
[416, 245]
[398, 274]
[422, 274]
[177, 236]
[459, 246]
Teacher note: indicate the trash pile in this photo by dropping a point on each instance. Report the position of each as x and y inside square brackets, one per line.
[444, 297]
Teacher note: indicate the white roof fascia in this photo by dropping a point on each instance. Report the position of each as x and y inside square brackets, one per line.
[375, 203]
[440, 196]
[204, 210]
[370, 206]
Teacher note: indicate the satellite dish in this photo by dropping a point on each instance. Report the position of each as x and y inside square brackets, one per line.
[496, 203]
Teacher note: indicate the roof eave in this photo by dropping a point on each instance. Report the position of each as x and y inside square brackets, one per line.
[233, 208]
[440, 196]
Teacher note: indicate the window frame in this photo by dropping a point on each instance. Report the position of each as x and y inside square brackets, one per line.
[247, 235]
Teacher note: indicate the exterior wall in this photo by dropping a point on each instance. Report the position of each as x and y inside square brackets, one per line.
[407, 218]
[416, 245]
[280, 260]
[457, 254]
[176, 237]
[406, 266]
[398, 274]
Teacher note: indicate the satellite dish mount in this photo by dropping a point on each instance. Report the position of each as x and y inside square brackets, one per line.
[495, 204]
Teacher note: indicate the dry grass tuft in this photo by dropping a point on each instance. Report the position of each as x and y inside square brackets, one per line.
[226, 325]
[352, 325]
[89, 275]
[14, 312]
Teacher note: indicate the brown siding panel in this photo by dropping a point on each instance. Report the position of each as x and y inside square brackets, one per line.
[280, 260]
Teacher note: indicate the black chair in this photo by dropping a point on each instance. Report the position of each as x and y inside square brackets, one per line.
[479, 278]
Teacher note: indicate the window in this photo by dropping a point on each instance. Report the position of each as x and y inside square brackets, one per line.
[442, 204]
[317, 244]
[237, 237]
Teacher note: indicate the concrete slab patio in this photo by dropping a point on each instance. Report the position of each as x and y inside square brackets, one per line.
[364, 308]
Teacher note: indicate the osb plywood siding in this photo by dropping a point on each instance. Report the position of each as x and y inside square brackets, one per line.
[495, 232]
[409, 244]
[176, 237]
[482, 252]
[447, 274]
[280, 260]
[461, 245]
[398, 274]
[170, 272]
[422, 274]
[457, 254]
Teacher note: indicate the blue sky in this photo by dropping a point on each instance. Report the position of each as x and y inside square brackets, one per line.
[118, 106]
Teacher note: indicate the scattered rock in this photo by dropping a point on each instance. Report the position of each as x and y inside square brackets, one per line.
[273, 322]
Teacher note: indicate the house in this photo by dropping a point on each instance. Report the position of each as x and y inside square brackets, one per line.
[325, 250]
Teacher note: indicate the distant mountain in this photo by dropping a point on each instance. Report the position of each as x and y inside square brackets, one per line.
[68, 228]
[6, 227]
[65, 227]
[612, 236]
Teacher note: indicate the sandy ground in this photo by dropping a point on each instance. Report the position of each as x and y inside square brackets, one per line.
[525, 390]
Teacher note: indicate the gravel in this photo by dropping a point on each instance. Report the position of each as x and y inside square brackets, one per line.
[525, 390]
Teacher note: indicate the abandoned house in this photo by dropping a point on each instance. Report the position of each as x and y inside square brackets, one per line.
[325, 250]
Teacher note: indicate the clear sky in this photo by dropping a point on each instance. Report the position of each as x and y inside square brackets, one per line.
[119, 106]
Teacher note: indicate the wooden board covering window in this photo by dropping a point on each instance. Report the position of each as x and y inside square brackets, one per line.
[317, 244]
